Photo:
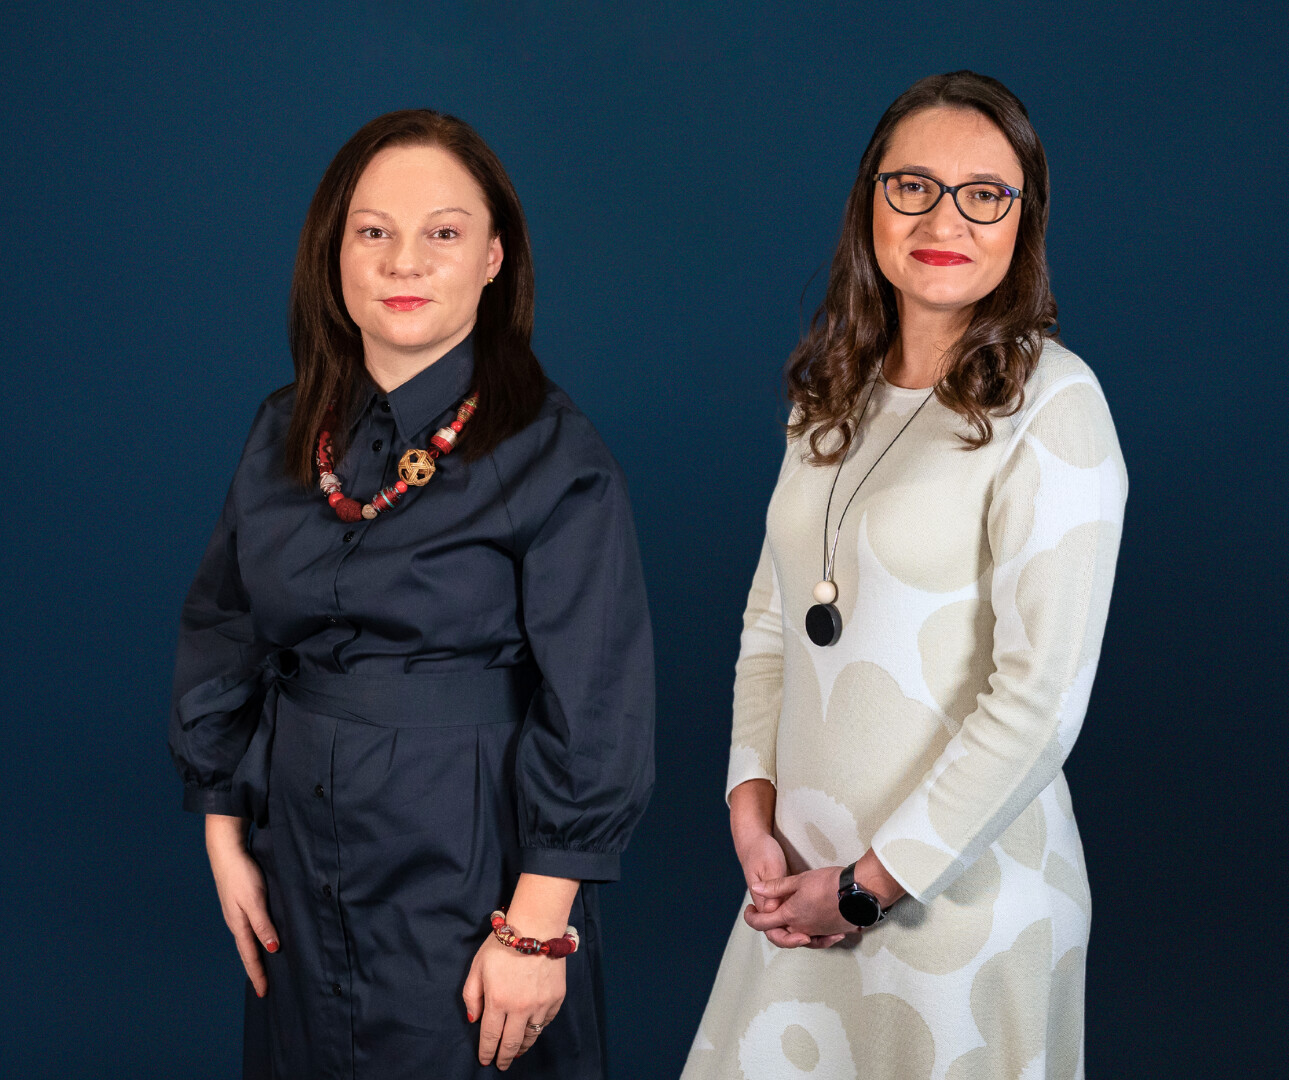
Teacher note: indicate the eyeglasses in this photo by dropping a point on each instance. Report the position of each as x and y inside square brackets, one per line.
[909, 193]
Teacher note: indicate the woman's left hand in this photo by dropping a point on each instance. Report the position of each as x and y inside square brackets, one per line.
[510, 991]
[807, 906]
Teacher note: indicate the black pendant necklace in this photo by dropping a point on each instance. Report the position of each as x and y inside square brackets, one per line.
[823, 620]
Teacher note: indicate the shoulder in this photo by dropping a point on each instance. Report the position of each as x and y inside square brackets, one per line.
[272, 418]
[560, 437]
[557, 469]
[1066, 410]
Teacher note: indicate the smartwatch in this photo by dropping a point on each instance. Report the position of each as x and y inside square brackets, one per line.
[856, 904]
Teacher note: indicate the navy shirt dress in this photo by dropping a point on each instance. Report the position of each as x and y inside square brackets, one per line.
[414, 710]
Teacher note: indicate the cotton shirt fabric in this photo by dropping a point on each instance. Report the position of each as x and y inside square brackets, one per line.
[414, 710]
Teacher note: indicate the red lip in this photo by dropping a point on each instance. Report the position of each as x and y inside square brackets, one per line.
[404, 303]
[932, 257]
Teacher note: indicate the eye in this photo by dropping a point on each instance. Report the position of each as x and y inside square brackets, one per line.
[444, 232]
[372, 232]
[913, 185]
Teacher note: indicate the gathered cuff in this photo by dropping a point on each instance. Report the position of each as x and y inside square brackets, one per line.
[199, 800]
[569, 863]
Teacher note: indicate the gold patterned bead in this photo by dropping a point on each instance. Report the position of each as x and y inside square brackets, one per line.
[416, 467]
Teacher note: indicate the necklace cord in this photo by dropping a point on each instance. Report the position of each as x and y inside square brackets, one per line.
[830, 555]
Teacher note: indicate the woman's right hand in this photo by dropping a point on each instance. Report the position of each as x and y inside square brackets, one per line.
[762, 859]
[242, 894]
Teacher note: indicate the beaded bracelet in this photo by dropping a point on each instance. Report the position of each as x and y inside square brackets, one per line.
[554, 948]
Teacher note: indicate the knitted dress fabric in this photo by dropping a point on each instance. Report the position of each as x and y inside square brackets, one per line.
[973, 588]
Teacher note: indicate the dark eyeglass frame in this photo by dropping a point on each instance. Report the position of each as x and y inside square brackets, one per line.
[952, 192]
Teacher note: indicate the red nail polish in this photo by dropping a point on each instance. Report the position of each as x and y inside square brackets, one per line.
[259, 995]
[470, 1017]
[272, 946]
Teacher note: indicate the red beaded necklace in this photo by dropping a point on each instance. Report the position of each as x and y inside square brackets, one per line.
[415, 467]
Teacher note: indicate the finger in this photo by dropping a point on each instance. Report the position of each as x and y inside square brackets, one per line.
[472, 994]
[530, 1036]
[258, 917]
[490, 1029]
[762, 903]
[824, 941]
[787, 939]
[249, 950]
[777, 887]
[764, 920]
[512, 1038]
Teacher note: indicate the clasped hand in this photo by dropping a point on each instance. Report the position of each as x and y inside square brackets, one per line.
[800, 910]
[791, 910]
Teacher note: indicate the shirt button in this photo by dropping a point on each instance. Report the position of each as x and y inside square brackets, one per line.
[335, 989]
[332, 619]
[319, 790]
[384, 406]
[326, 890]
[348, 536]
[377, 445]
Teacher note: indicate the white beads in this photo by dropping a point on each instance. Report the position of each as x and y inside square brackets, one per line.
[369, 511]
[825, 592]
[329, 482]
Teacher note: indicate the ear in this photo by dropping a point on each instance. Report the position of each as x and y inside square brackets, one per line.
[495, 255]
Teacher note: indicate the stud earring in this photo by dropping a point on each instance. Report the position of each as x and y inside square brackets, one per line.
[491, 280]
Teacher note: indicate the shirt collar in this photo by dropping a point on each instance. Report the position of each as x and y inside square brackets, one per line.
[428, 394]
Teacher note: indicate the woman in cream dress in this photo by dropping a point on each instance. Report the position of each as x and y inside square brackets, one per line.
[973, 572]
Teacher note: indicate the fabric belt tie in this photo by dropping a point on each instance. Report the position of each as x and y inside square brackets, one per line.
[214, 716]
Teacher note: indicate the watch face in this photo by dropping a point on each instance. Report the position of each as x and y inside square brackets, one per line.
[859, 908]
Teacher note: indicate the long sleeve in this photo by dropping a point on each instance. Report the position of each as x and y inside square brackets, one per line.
[584, 767]
[758, 680]
[1053, 523]
[218, 689]
[758, 672]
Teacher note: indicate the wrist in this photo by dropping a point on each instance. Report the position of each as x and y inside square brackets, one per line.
[225, 833]
[871, 875]
[541, 905]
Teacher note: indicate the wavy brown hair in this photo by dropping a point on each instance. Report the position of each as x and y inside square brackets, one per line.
[326, 344]
[857, 323]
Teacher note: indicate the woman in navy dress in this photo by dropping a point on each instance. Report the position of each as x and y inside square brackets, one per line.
[403, 702]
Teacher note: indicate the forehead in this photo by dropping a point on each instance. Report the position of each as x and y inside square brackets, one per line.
[954, 143]
[408, 176]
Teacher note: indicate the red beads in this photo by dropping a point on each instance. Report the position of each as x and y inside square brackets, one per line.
[555, 948]
[350, 510]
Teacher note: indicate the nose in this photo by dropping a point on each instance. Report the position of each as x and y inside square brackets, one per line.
[406, 259]
[944, 218]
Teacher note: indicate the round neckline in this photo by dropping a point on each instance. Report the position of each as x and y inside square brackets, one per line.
[903, 391]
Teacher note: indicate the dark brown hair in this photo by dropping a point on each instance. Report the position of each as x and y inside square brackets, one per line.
[326, 345]
[857, 323]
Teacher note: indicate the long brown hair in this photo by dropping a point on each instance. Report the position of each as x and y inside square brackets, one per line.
[326, 345]
[857, 323]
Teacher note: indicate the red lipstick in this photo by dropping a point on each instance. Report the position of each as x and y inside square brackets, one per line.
[404, 303]
[932, 257]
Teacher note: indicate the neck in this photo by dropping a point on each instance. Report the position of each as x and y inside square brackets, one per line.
[390, 366]
[916, 360]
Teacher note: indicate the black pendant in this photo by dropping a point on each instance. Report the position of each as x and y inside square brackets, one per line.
[823, 624]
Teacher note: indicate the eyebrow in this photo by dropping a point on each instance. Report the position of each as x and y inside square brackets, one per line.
[432, 213]
[922, 170]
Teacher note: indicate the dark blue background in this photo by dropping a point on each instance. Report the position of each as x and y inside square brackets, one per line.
[684, 172]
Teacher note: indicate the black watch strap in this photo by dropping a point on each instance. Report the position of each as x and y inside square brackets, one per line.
[856, 904]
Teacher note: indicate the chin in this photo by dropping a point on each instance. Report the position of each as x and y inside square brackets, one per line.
[943, 301]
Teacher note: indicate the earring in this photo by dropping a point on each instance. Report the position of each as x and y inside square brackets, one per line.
[491, 280]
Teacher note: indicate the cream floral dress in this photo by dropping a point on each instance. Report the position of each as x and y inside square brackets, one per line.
[973, 588]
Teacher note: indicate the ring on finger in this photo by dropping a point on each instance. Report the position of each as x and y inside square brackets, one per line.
[535, 1028]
